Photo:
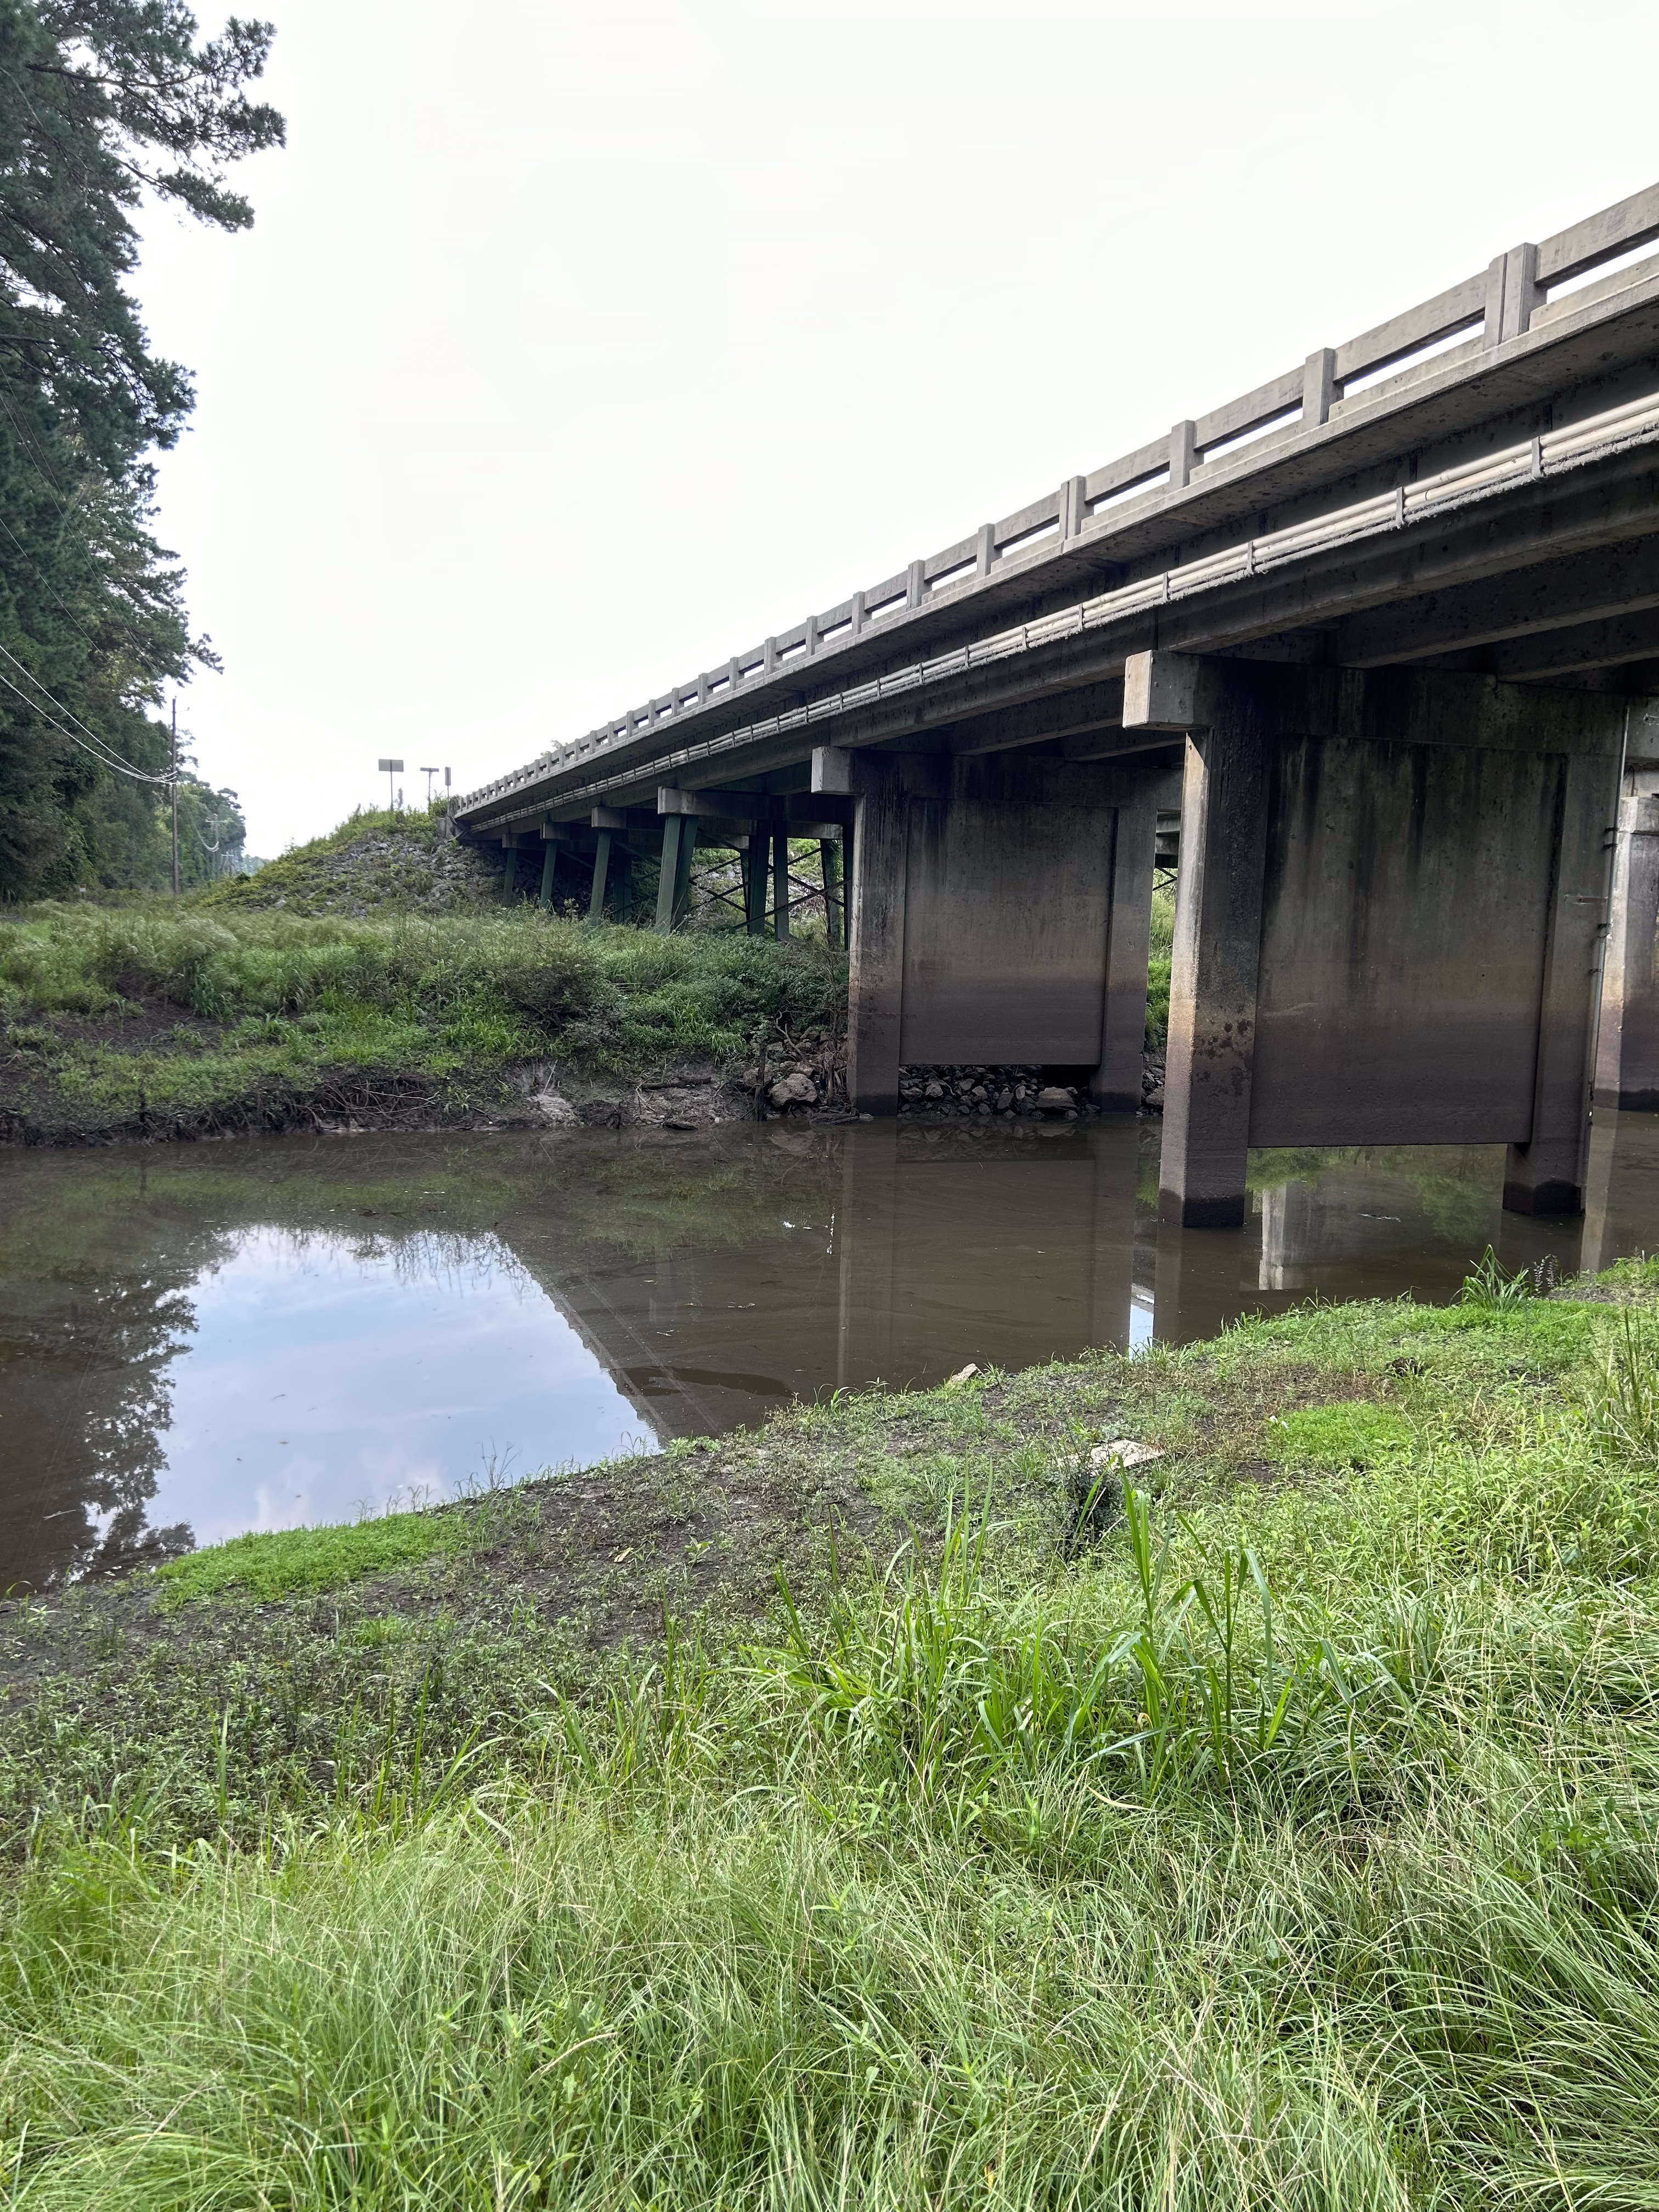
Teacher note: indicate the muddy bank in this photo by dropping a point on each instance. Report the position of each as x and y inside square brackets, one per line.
[73, 1080]
[69, 1079]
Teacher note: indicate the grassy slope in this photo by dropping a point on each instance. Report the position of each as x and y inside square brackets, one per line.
[1290, 1843]
[372, 861]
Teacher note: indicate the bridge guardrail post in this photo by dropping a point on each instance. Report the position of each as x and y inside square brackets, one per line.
[1512, 293]
[1318, 387]
[1183, 455]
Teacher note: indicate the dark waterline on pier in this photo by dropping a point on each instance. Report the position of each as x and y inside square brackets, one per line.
[213, 1338]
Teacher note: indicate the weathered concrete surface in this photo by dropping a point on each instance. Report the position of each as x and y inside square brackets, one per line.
[1627, 1044]
[1392, 890]
[1402, 943]
[999, 911]
[1213, 982]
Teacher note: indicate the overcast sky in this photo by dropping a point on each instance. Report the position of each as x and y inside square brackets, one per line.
[578, 347]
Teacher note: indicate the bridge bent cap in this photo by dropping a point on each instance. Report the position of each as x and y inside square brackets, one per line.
[1164, 692]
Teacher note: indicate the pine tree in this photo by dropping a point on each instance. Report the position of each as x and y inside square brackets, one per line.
[102, 102]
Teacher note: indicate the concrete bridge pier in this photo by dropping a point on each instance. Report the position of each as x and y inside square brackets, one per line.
[1627, 1039]
[999, 910]
[1393, 888]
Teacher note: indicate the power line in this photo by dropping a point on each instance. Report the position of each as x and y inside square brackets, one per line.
[124, 620]
[120, 766]
[112, 758]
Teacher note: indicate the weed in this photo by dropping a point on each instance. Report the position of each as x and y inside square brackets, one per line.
[1487, 1287]
[1623, 1402]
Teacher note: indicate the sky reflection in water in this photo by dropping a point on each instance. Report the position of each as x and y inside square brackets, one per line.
[337, 1378]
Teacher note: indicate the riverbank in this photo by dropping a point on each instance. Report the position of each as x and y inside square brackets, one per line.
[1269, 1821]
[146, 1024]
[371, 981]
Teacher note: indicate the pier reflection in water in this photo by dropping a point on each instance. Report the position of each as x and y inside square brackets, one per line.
[199, 1340]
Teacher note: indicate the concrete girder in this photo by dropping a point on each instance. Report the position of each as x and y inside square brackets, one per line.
[1378, 573]
[1068, 714]
[1613, 642]
[1434, 415]
[1600, 582]
[781, 807]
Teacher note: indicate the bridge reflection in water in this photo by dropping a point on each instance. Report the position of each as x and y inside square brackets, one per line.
[396, 1309]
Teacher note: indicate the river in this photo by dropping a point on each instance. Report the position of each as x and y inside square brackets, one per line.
[206, 1338]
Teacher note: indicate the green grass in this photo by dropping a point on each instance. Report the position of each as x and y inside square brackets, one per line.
[420, 1002]
[1336, 1437]
[1290, 1839]
[289, 1562]
[1157, 970]
[450, 1001]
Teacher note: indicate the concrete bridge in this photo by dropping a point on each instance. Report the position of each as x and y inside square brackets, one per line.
[1384, 630]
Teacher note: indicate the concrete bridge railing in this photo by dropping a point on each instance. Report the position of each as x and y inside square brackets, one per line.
[1527, 289]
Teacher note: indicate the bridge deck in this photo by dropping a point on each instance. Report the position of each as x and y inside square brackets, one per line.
[1539, 367]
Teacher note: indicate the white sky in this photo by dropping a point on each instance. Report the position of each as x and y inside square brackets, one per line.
[577, 347]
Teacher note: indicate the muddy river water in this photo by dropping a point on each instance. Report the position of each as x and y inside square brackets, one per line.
[199, 1340]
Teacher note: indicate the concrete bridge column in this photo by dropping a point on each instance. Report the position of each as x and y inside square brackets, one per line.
[682, 875]
[755, 860]
[1627, 1042]
[601, 869]
[679, 842]
[829, 859]
[999, 910]
[881, 841]
[1546, 1173]
[780, 881]
[1211, 1054]
[1115, 1085]
[1393, 886]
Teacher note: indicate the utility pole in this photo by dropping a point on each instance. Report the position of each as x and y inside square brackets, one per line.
[175, 798]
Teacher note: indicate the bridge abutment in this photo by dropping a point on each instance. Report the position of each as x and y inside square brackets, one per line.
[1000, 910]
[1393, 888]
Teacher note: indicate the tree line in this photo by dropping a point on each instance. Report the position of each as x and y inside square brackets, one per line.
[105, 107]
